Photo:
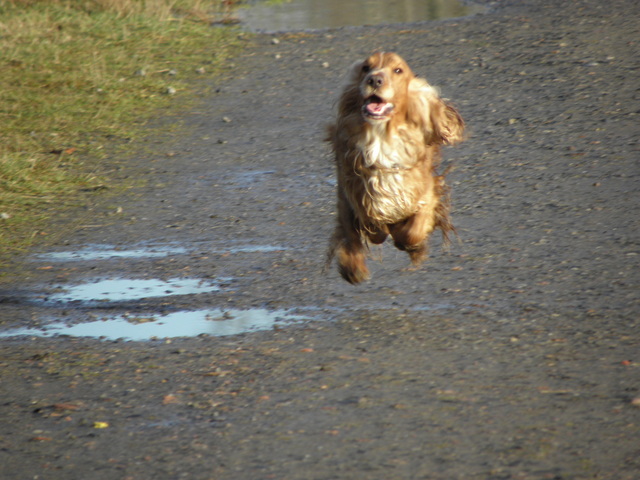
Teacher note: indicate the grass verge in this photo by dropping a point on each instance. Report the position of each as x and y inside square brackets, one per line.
[79, 74]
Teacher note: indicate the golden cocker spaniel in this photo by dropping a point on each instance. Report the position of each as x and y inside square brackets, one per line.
[386, 140]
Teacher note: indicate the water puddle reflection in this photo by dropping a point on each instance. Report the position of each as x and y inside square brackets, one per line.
[126, 289]
[180, 324]
[283, 15]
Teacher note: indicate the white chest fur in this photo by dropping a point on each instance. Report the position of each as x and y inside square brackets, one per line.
[380, 154]
[387, 197]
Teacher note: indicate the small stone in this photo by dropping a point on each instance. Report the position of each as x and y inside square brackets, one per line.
[275, 41]
[170, 91]
[200, 70]
[226, 119]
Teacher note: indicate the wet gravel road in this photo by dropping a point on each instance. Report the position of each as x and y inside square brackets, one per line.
[513, 356]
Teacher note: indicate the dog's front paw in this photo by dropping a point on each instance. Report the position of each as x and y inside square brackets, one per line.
[354, 276]
[352, 267]
[418, 253]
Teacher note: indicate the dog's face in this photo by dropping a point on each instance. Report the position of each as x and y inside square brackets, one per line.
[384, 80]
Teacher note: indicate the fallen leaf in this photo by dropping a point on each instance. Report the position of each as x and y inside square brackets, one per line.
[346, 357]
[551, 391]
[216, 373]
[169, 399]
[100, 424]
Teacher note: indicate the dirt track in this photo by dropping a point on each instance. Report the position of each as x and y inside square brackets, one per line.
[514, 356]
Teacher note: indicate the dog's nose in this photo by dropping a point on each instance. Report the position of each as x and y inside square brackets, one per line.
[375, 80]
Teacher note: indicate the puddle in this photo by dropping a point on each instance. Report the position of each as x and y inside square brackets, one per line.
[254, 176]
[104, 252]
[282, 15]
[126, 289]
[108, 252]
[217, 323]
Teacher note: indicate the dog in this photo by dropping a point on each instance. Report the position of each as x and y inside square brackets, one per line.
[386, 140]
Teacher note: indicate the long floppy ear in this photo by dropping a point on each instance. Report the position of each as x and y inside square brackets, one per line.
[440, 122]
[350, 99]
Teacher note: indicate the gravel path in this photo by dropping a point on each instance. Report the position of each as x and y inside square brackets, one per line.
[513, 356]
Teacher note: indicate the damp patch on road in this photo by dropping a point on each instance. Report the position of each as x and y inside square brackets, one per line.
[214, 322]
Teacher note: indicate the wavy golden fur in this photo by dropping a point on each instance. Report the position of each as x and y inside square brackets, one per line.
[386, 140]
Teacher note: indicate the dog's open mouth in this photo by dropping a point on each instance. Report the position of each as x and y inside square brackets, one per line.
[376, 108]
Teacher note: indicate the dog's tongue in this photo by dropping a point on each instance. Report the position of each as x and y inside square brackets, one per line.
[376, 108]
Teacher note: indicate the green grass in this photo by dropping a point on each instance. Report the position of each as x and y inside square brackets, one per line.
[80, 75]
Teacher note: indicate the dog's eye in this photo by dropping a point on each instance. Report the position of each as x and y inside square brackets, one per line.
[366, 68]
[398, 70]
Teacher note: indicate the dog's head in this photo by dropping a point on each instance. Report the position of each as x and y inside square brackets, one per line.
[383, 80]
[383, 92]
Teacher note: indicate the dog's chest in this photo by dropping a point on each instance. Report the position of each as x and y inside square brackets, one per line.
[387, 194]
[382, 155]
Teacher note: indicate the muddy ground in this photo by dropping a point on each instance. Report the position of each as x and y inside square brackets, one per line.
[514, 356]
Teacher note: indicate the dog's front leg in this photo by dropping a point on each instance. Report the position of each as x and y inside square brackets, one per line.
[411, 234]
[348, 244]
